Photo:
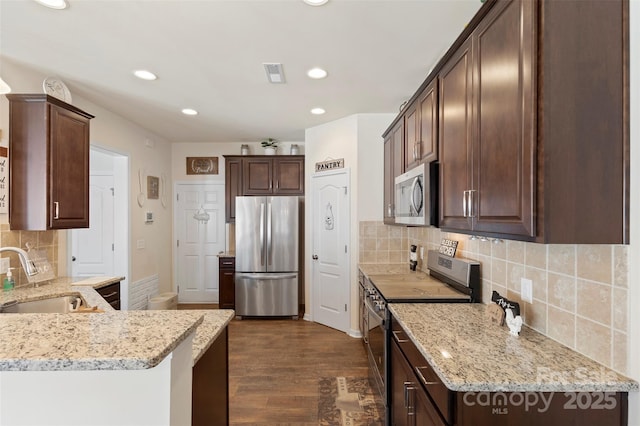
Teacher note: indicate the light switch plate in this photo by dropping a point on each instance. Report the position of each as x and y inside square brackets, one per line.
[4, 265]
[140, 244]
[526, 290]
[421, 253]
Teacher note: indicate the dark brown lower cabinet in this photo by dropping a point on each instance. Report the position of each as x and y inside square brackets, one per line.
[210, 387]
[419, 398]
[410, 403]
[111, 294]
[226, 280]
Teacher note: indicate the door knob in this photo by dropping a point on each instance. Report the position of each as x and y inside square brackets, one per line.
[73, 258]
[314, 257]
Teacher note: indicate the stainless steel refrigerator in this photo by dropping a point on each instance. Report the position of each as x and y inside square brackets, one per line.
[266, 277]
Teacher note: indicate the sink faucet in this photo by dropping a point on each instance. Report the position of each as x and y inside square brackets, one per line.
[27, 264]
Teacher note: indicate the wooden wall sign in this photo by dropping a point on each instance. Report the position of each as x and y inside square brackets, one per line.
[323, 166]
[202, 165]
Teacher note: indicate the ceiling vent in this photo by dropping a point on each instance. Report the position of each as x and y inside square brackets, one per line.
[274, 73]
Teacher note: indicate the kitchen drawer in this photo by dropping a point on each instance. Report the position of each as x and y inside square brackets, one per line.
[442, 397]
[227, 263]
[111, 294]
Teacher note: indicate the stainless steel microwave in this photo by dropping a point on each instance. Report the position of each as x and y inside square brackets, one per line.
[416, 196]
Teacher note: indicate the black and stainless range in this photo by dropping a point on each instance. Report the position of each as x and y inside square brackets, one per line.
[450, 280]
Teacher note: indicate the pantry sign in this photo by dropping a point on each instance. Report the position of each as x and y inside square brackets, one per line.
[323, 166]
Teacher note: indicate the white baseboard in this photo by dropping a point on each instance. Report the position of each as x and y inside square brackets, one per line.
[307, 317]
[355, 334]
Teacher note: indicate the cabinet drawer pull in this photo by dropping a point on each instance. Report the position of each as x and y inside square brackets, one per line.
[106, 296]
[56, 210]
[422, 378]
[470, 203]
[227, 263]
[398, 339]
[409, 388]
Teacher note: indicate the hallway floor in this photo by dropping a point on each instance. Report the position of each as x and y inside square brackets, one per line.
[285, 372]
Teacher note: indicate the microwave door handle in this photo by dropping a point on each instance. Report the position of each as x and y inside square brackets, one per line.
[413, 206]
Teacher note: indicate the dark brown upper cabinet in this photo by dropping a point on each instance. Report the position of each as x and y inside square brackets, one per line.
[487, 137]
[456, 138]
[233, 185]
[393, 166]
[261, 175]
[48, 163]
[268, 175]
[533, 135]
[421, 128]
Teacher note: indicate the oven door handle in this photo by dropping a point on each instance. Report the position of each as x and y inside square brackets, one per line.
[373, 311]
[397, 338]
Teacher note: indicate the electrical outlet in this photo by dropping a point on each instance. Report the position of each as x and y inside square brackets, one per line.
[421, 253]
[526, 290]
[140, 244]
[4, 265]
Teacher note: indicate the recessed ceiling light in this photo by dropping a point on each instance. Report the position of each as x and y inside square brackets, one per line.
[316, 73]
[53, 4]
[189, 111]
[315, 2]
[318, 111]
[145, 75]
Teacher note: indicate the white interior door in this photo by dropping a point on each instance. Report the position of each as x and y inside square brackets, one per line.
[330, 223]
[199, 242]
[93, 248]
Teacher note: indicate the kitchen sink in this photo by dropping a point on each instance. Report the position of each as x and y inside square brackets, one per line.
[56, 305]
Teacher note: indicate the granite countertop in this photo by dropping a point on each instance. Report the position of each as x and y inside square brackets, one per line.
[227, 254]
[369, 269]
[470, 355]
[113, 340]
[214, 321]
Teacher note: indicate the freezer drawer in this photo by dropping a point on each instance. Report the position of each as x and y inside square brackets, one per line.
[266, 294]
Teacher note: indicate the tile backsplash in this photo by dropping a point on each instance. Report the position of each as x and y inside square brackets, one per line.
[579, 291]
[38, 240]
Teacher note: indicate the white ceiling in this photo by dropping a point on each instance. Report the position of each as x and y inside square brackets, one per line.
[208, 55]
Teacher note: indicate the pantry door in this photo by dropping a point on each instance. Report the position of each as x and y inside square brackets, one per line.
[330, 249]
[198, 241]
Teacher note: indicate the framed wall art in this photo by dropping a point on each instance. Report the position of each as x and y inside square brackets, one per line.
[202, 165]
[153, 187]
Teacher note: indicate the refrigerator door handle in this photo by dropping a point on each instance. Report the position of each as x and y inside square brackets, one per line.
[269, 248]
[261, 233]
[268, 276]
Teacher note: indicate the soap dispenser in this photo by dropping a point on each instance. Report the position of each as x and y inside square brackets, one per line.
[9, 282]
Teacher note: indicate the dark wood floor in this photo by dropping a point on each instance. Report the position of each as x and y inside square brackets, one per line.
[275, 367]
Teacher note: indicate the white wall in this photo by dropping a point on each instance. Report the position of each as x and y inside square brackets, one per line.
[116, 133]
[634, 247]
[358, 139]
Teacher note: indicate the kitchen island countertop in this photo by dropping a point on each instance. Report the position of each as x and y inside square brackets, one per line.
[468, 354]
[113, 340]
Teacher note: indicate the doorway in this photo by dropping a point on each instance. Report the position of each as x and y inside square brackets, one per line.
[200, 235]
[330, 249]
[103, 249]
